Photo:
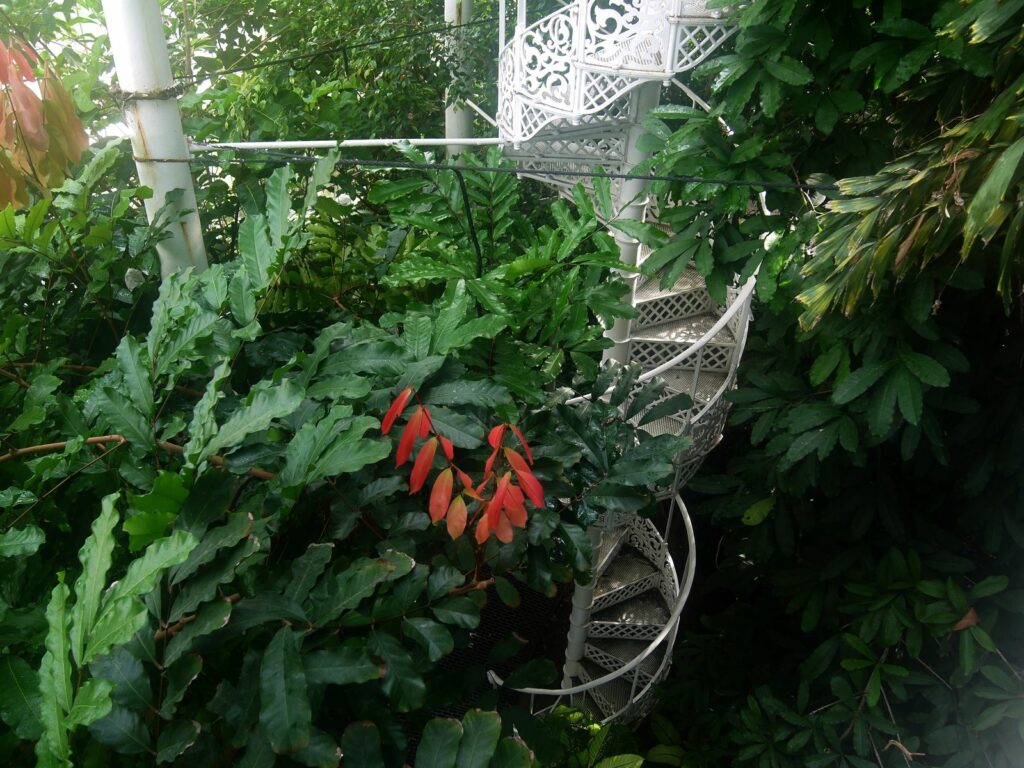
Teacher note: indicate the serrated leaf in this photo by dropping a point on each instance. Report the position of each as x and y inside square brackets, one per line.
[285, 715]
[789, 70]
[858, 382]
[143, 572]
[482, 392]
[266, 405]
[95, 556]
[332, 446]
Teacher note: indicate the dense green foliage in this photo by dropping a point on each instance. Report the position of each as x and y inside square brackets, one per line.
[864, 530]
[181, 591]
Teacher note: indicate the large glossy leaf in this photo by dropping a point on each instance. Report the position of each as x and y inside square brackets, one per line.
[439, 744]
[360, 743]
[266, 405]
[333, 446]
[19, 697]
[116, 624]
[481, 731]
[350, 587]
[284, 704]
[403, 683]
[144, 571]
[434, 637]
[53, 749]
[95, 557]
[177, 678]
[21, 541]
[175, 739]
[342, 665]
[307, 569]
[92, 701]
[209, 618]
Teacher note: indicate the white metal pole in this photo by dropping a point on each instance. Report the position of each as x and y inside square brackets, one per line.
[151, 112]
[632, 200]
[458, 119]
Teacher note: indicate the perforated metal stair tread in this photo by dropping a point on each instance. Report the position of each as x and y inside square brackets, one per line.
[627, 575]
[647, 609]
[649, 288]
[684, 331]
[611, 697]
[708, 383]
[611, 540]
[614, 654]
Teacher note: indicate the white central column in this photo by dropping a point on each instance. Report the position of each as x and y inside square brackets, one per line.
[458, 119]
[151, 111]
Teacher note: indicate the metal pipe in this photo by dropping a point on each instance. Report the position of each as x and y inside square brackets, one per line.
[151, 112]
[343, 143]
[458, 121]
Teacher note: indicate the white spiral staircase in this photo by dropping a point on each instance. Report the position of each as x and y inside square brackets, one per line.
[571, 97]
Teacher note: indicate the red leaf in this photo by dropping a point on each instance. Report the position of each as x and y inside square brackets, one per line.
[5, 58]
[395, 410]
[408, 439]
[496, 435]
[448, 448]
[530, 484]
[503, 530]
[489, 466]
[425, 425]
[969, 620]
[483, 529]
[28, 111]
[456, 517]
[498, 500]
[514, 507]
[424, 461]
[522, 442]
[21, 63]
[441, 495]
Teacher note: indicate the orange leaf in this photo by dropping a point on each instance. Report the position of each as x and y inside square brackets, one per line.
[425, 424]
[456, 517]
[969, 620]
[496, 435]
[514, 507]
[441, 495]
[424, 461]
[448, 448]
[483, 529]
[503, 530]
[498, 500]
[522, 442]
[395, 410]
[489, 465]
[530, 484]
[28, 112]
[408, 438]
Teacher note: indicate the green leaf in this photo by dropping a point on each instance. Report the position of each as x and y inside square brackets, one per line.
[177, 678]
[435, 638]
[670, 406]
[926, 369]
[307, 569]
[758, 511]
[825, 363]
[53, 748]
[142, 573]
[279, 205]
[335, 445]
[621, 761]
[789, 70]
[349, 588]
[117, 624]
[125, 418]
[21, 541]
[19, 697]
[507, 591]
[123, 730]
[92, 702]
[402, 683]
[266, 405]
[439, 744]
[484, 393]
[360, 743]
[135, 371]
[418, 330]
[647, 234]
[175, 739]
[208, 619]
[344, 665]
[481, 731]
[459, 611]
[258, 254]
[908, 394]
[512, 753]
[284, 704]
[95, 556]
[858, 382]
[990, 194]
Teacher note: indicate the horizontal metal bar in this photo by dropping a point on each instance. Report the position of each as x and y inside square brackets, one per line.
[343, 143]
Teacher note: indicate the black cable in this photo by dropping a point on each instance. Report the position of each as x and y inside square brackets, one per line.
[469, 221]
[342, 48]
[409, 165]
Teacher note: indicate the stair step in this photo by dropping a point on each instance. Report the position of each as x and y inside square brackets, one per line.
[657, 344]
[614, 654]
[708, 383]
[688, 298]
[627, 575]
[639, 618]
[611, 697]
[612, 540]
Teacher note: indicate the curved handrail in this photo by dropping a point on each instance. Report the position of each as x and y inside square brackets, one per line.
[730, 312]
[670, 625]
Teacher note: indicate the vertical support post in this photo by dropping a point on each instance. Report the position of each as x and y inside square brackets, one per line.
[632, 201]
[501, 26]
[151, 112]
[458, 119]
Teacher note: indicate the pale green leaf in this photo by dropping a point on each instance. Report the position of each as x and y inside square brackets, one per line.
[95, 556]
